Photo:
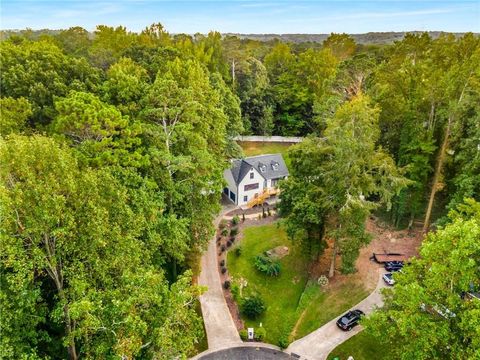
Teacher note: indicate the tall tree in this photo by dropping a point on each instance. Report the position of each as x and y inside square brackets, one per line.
[75, 270]
[429, 314]
[347, 175]
[14, 114]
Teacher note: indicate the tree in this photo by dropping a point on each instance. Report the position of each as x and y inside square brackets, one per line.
[185, 135]
[14, 114]
[125, 86]
[342, 45]
[39, 71]
[345, 177]
[429, 314]
[462, 77]
[76, 273]
[98, 130]
[252, 84]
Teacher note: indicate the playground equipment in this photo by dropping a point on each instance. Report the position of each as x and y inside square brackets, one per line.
[260, 199]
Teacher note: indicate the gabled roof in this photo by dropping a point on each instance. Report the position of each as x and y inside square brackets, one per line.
[270, 166]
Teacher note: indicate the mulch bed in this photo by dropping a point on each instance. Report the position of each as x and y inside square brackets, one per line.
[232, 305]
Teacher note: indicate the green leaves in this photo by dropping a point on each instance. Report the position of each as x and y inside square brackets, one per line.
[428, 314]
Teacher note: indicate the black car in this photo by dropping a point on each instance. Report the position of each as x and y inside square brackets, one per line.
[393, 265]
[350, 319]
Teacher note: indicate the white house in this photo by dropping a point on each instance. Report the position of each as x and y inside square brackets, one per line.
[249, 177]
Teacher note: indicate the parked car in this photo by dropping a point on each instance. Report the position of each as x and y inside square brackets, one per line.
[393, 266]
[388, 278]
[350, 319]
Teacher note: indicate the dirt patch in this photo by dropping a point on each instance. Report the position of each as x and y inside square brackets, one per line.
[385, 240]
[278, 253]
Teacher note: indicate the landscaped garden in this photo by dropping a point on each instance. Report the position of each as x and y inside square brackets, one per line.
[275, 291]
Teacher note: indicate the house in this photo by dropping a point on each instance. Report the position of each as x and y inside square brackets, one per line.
[251, 177]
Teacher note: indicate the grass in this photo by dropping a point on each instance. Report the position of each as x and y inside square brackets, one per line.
[202, 345]
[327, 305]
[281, 294]
[362, 347]
[252, 148]
[291, 304]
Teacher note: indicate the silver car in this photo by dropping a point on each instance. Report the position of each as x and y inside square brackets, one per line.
[388, 278]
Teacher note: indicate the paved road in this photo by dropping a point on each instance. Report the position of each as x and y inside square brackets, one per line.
[318, 344]
[221, 330]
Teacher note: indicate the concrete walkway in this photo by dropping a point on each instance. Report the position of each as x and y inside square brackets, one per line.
[318, 344]
[221, 330]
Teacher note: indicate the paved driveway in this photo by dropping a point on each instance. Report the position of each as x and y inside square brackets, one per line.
[219, 325]
[318, 344]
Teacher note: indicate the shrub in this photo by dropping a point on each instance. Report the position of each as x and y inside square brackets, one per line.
[253, 307]
[224, 270]
[283, 342]
[243, 334]
[219, 239]
[225, 232]
[222, 263]
[226, 285]
[233, 231]
[222, 224]
[232, 239]
[238, 250]
[260, 334]
[235, 220]
[223, 248]
[229, 243]
[235, 290]
[266, 265]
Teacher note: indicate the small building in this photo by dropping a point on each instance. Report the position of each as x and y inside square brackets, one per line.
[253, 176]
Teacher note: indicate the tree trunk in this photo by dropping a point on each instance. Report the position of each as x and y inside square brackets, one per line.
[436, 176]
[331, 273]
[72, 351]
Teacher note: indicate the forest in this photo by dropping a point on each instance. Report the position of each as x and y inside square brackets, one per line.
[113, 146]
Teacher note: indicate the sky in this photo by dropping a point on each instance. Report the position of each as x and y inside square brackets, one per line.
[248, 16]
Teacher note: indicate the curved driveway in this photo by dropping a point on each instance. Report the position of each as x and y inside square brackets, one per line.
[219, 325]
[318, 344]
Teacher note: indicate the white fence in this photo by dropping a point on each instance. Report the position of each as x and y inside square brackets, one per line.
[284, 139]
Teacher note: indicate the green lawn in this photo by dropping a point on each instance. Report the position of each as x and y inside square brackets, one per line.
[251, 148]
[282, 293]
[335, 301]
[362, 347]
[287, 297]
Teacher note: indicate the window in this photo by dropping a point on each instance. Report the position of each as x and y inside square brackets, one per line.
[250, 187]
[252, 175]
[275, 165]
[245, 198]
[263, 168]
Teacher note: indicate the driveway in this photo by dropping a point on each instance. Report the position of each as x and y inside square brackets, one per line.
[318, 344]
[219, 325]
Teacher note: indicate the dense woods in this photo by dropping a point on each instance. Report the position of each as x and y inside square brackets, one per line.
[113, 146]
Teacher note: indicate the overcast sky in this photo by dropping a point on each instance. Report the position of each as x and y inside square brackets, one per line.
[246, 16]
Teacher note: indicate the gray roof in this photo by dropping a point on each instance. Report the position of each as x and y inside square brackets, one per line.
[270, 166]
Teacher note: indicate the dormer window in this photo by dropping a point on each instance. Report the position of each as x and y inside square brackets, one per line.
[275, 165]
[262, 167]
